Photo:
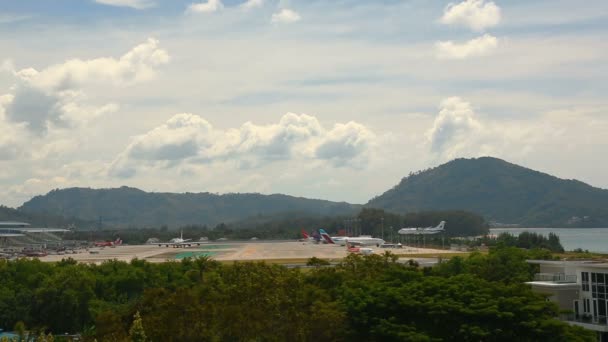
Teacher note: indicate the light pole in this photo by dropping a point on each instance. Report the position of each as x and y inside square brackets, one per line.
[382, 224]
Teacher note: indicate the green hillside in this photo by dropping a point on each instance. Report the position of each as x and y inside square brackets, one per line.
[124, 207]
[501, 192]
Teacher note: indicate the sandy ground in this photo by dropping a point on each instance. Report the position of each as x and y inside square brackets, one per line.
[227, 251]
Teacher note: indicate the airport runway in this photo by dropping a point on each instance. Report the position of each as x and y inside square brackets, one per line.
[228, 251]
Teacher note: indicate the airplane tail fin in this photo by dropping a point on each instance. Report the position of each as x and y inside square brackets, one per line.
[326, 236]
[305, 234]
[441, 225]
[118, 242]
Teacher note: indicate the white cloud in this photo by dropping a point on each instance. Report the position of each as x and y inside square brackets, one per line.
[286, 16]
[14, 136]
[134, 66]
[190, 138]
[206, 7]
[180, 137]
[480, 46]
[475, 14]
[345, 143]
[53, 97]
[251, 4]
[453, 126]
[457, 131]
[137, 4]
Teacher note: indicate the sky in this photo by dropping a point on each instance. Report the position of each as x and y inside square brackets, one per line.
[323, 99]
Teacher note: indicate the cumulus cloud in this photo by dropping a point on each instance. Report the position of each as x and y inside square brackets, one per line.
[251, 4]
[286, 16]
[453, 126]
[14, 136]
[137, 65]
[53, 97]
[475, 14]
[192, 139]
[345, 143]
[206, 7]
[137, 4]
[180, 137]
[480, 46]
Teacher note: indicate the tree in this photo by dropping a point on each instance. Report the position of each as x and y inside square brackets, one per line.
[20, 330]
[137, 333]
[314, 261]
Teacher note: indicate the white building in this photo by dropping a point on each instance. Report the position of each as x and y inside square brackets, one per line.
[580, 287]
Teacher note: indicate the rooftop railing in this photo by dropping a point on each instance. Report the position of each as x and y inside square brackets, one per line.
[555, 277]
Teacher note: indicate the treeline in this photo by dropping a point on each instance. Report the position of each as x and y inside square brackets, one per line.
[371, 298]
[368, 221]
[527, 240]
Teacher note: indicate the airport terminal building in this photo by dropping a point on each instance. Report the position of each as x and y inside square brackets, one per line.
[17, 238]
[581, 287]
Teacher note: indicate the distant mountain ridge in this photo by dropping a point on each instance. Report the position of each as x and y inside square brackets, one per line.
[125, 206]
[501, 192]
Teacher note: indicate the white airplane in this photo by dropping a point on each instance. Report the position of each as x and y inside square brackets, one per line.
[180, 242]
[354, 241]
[423, 230]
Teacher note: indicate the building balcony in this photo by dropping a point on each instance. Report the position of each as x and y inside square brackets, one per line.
[555, 277]
[598, 323]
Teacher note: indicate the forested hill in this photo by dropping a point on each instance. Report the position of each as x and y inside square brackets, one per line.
[124, 207]
[501, 192]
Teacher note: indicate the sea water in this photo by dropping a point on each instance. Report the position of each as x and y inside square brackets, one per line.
[592, 239]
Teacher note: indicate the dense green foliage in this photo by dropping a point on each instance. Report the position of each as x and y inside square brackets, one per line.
[124, 207]
[371, 298]
[501, 192]
[525, 240]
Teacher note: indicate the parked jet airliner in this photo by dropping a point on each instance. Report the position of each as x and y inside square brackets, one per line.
[423, 230]
[355, 241]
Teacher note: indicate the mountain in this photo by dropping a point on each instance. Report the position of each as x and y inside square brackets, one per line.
[501, 192]
[124, 207]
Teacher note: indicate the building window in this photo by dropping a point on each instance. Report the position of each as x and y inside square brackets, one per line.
[585, 281]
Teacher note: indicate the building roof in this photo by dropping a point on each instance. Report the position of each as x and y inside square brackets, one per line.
[13, 224]
[583, 263]
[555, 285]
[35, 230]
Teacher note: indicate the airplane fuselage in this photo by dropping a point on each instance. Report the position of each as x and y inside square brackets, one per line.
[361, 241]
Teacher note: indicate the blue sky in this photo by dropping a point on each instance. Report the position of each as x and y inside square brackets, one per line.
[325, 99]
